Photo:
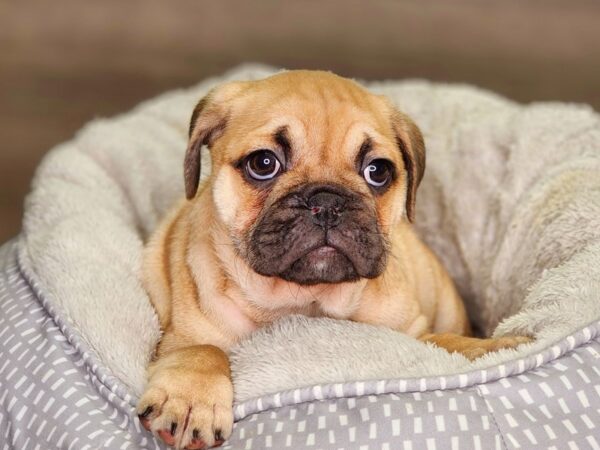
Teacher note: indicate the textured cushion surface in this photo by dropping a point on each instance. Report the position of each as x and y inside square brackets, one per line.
[510, 202]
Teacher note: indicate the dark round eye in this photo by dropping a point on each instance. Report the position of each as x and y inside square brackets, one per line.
[262, 165]
[378, 173]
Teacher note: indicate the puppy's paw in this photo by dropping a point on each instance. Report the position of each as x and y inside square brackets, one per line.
[187, 408]
[478, 347]
[473, 348]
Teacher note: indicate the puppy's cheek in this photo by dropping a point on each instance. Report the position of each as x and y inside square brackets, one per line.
[224, 189]
[237, 205]
[393, 209]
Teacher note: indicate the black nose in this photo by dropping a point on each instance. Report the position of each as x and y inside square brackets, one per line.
[326, 208]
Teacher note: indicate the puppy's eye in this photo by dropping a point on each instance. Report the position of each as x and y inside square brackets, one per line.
[378, 173]
[262, 165]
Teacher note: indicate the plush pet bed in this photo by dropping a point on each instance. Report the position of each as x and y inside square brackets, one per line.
[510, 202]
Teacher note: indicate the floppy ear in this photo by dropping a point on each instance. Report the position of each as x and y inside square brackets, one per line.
[411, 144]
[207, 124]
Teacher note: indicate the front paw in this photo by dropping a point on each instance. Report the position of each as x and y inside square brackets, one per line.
[187, 407]
[481, 347]
[473, 348]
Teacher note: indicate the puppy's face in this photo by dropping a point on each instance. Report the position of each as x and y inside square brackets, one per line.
[310, 171]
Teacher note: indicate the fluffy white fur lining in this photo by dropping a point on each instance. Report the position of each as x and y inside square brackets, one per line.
[510, 201]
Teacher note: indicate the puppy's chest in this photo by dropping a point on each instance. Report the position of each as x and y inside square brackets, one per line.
[244, 312]
[264, 306]
[260, 308]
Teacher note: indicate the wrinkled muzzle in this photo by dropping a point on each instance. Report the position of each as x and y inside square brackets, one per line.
[317, 233]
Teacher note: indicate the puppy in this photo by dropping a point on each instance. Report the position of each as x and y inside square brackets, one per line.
[307, 211]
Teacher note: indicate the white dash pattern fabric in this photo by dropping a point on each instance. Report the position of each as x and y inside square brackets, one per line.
[54, 394]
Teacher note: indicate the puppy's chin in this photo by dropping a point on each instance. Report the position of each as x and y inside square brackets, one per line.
[321, 265]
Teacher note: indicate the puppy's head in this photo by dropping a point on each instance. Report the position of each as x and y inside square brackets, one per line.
[309, 173]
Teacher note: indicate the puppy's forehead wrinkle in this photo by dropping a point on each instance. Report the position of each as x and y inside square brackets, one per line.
[321, 124]
[365, 148]
[281, 137]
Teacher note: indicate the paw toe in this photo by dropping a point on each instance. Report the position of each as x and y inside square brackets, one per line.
[166, 436]
[512, 341]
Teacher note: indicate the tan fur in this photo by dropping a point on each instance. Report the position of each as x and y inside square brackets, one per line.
[208, 298]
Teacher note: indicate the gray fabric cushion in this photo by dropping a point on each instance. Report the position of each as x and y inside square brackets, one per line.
[54, 393]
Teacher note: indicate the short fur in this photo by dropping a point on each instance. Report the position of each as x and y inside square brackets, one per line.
[201, 268]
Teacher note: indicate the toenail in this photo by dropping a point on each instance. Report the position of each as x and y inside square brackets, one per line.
[146, 412]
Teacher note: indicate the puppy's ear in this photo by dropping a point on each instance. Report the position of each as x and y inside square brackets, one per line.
[207, 124]
[412, 146]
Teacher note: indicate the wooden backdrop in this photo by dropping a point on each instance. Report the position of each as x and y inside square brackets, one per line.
[64, 62]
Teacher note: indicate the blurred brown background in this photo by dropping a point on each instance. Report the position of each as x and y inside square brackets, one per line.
[65, 62]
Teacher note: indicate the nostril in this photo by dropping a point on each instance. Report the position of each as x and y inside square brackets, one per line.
[326, 208]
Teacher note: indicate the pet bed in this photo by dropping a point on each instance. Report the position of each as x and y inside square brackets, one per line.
[510, 202]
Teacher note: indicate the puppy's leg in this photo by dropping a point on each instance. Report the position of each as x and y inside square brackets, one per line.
[471, 347]
[189, 397]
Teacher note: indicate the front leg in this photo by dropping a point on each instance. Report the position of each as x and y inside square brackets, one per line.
[189, 397]
[471, 347]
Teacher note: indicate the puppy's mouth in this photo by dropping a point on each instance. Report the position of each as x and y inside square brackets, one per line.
[322, 264]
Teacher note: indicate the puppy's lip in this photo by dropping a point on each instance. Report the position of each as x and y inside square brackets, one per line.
[322, 264]
[325, 250]
[337, 241]
[320, 251]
